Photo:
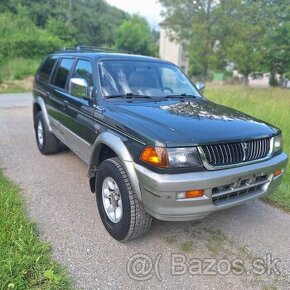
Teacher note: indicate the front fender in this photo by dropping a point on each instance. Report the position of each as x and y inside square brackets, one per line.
[117, 145]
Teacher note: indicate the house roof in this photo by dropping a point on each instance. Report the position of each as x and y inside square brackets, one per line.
[164, 22]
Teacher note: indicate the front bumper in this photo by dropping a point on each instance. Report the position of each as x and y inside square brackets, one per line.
[223, 189]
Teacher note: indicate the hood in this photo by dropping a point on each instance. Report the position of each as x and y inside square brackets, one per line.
[194, 122]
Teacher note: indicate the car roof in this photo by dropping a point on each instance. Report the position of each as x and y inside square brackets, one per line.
[107, 55]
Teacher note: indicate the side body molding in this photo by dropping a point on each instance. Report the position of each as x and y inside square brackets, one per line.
[117, 145]
[39, 101]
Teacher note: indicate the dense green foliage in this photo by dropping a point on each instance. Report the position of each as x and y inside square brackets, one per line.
[20, 37]
[25, 262]
[252, 35]
[90, 22]
[134, 35]
[30, 29]
[276, 104]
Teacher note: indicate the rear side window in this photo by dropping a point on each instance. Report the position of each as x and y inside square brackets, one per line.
[62, 72]
[46, 69]
[84, 70]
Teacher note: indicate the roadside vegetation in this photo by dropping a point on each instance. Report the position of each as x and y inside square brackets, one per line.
[248, 36]
[30, 30]
[25, 262]
[268, 104]
[12, 87]
[218, 36]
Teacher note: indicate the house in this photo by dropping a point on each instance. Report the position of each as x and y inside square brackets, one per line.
[257, 79]
[170, 49]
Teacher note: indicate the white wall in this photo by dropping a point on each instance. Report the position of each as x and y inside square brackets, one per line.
[171, 50]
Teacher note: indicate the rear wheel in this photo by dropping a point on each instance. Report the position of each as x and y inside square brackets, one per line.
[121, 212]
[47, 143]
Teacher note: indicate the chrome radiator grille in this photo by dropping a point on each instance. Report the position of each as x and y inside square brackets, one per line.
[235, 153]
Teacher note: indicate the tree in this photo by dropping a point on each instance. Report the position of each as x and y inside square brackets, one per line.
[134, 35]
[245, 29]
[90, 22]
[276, 47]
[194, 23]
[219, 32]
[22, 38]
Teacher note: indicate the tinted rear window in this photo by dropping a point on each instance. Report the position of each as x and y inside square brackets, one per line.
[62, 72]
[46, 69]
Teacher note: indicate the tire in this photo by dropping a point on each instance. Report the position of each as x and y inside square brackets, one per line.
[134, 220]
[48, 143]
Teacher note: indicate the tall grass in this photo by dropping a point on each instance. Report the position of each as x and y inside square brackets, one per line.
[269, 104]
[17, 68]
[25, 262]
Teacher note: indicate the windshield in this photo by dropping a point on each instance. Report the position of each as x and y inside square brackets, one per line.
[143, 78]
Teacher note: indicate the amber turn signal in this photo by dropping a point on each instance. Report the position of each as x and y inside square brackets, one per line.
[278, 172]
[190, 194]
[156, 156]
[194, 193]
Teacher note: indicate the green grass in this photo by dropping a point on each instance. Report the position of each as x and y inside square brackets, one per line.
[16, 75]
[13, 88]
[268, 104]
[17, 69]
[187, 246]
[25, 262]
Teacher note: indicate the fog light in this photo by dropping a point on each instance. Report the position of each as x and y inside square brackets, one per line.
[278, 172]
[190, 194]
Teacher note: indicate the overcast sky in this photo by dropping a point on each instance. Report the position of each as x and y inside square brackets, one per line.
[150, 9]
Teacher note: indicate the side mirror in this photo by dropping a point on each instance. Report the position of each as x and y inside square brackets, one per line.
[200, 86]
[78, 87]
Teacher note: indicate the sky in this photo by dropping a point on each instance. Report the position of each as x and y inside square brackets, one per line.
[150, 9]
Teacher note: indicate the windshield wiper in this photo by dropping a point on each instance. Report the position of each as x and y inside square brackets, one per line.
[129, 95]
[114, 96]
[183, 95]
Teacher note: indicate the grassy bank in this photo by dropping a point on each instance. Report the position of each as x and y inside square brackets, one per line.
[13, 87]
[17, 69]
[25, 262]
[16, 75]
[269, 104]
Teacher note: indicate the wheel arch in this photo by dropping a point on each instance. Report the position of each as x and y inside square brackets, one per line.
[39, 105]
[115, 148]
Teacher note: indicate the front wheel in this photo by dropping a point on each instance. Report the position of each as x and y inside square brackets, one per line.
[121, 212]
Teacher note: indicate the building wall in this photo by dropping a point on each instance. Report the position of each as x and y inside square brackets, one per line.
[261, 81]
[171, 50]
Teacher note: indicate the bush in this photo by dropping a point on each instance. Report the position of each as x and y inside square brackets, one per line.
[287, 75]
[273, 82]
[21, 38]
[22, 45]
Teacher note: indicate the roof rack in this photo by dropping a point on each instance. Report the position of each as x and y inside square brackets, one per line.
[93, 48]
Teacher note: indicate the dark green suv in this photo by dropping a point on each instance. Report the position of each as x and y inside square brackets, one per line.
[155, 147]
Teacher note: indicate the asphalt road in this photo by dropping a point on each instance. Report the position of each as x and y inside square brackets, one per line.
[58, 199]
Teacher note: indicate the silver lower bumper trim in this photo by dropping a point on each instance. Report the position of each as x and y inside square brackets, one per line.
[158, 191]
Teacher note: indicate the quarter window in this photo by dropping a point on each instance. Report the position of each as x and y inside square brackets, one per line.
[62, 72]
[46, 69]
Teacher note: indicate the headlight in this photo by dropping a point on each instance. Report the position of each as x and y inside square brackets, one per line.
[183, 157]
[171, 157]
[277, 144]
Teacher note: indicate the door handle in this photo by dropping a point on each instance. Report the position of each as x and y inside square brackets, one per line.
[99, 108]
[65, 104]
